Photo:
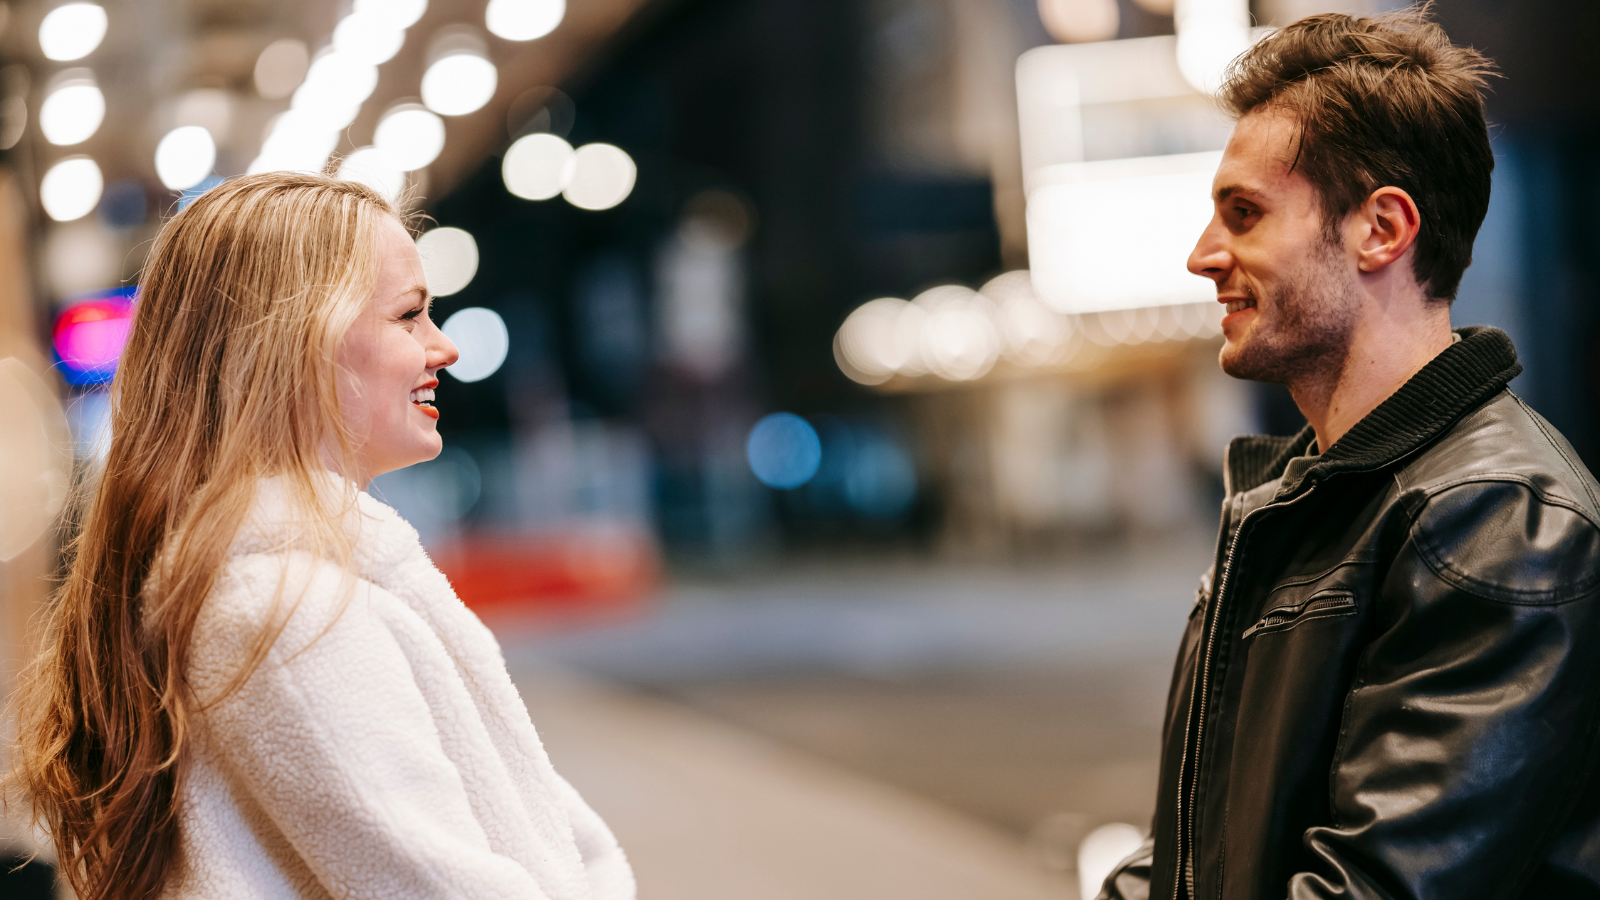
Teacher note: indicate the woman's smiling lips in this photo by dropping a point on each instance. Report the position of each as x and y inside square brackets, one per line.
[422, 398]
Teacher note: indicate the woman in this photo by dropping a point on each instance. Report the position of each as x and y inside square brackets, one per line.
[254, 683]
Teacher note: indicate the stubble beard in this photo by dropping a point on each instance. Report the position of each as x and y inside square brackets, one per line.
[1303, 329]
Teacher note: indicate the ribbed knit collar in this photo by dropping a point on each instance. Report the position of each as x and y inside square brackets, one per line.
[1452, 384]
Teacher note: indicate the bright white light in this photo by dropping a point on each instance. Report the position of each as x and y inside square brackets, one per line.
[409, 138]
[524, 20]
[72, 31]
[1116, 234]
[1210, 34]
[1101, 851]
[602, 177]
[397, 13]
[72, 113]
[480, 334]
[367, 166]
[296, 144]
[958, 341]
[368, 38]
[71, 188]
[1034, 334]
[881, 338]
[185, 157]
[334, 89]
[449, 259]
[280, 68]
[458, 84]
[538, 166]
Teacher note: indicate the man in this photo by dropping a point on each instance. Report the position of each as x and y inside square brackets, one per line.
[1384, 690]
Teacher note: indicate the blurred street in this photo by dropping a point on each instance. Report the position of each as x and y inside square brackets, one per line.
[988, 716]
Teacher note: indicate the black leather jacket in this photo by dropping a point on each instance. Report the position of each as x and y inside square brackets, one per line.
[1389, 684]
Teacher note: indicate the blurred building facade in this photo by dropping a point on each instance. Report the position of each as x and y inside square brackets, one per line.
[810, 179]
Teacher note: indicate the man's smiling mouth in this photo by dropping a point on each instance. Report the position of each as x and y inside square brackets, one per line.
[1241, 303]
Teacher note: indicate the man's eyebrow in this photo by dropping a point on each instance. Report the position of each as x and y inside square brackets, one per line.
[1226, 191]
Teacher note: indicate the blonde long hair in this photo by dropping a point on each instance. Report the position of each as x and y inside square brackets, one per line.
[228, 377]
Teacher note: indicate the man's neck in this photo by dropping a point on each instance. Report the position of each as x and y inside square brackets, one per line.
[1383, 354]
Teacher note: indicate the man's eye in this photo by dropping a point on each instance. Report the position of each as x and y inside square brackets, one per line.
[1244, 212]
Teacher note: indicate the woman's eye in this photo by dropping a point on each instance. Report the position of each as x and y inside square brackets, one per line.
[412, 314]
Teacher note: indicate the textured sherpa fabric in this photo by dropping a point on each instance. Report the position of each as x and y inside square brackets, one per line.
[380, 750]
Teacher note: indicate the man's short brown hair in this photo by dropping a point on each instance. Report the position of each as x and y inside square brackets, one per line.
[1386, 101]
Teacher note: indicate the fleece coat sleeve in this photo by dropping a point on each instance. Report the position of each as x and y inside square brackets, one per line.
[336, 744]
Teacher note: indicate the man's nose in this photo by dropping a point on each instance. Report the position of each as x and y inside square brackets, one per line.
[1210, 257]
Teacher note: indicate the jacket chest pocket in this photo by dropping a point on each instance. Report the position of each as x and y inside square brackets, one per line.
[1324, 604]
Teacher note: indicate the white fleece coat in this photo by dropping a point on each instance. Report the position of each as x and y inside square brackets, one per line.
[381, 750]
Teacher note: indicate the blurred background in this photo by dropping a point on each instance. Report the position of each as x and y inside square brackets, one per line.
[837, 436]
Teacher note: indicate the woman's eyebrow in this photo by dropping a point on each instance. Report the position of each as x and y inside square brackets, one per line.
[427, 298]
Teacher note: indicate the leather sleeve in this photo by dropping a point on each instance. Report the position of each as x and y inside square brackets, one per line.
[1130, 880]
[1470, 725]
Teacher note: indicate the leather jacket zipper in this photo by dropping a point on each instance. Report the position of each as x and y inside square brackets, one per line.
[1194, 731]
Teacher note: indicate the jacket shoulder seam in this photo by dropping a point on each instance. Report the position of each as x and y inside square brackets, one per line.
[1487, 590]
[1577, 472]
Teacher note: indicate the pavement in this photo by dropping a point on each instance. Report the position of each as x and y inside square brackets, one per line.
[882, 729]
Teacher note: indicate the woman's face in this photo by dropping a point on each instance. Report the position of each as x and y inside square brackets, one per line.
[389, 364]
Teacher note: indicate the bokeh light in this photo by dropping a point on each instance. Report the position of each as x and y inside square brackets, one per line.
[958, 340]
[409, 137]
[784, 451]
[396, 13]
[449, 259]
[71, 188]
[80, 257]
[602, 176]
[89, 336]
[191, 194]
[73, 109]
[1078, 21]
[458, 84]
[1210, 34]
[295, 143]
[369, 167]
[481, 337]
[124, 204]
[524, 20]
[72, 31]
[185, 157]
[210, 108]
[335, 87]
[880, 479]
[368, 37]
[873, 343]
[280, 68]
[38, 468]
[1101, 851]
[538, 167]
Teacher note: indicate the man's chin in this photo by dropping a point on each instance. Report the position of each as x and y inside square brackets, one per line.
[1237, 360]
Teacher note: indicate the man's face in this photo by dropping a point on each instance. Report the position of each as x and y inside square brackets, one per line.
[1289, 286]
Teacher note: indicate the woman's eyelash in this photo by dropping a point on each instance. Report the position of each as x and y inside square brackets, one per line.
[412, 314]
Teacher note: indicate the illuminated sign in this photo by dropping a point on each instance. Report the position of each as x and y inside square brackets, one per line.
[90, 333]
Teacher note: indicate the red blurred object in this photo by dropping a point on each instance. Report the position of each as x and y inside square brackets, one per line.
[561, 576]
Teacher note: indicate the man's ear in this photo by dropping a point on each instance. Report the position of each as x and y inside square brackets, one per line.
[1390, 223]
